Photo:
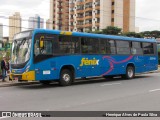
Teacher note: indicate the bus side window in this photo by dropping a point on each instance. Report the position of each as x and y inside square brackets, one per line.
[102, 46]
[84, 45]
[65, 44]
[36, 48]
[76, 44]
[123, 47]
[136, 48]
[110, 47]
[148, 48]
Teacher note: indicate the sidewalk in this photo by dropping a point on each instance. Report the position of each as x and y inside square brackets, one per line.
[8, 83]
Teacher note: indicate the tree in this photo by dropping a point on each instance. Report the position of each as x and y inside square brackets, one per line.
[151, 34]
[96, 32]
[111, 30]
[133, 34]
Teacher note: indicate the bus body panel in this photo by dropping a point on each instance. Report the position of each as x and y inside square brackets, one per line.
[87, 65]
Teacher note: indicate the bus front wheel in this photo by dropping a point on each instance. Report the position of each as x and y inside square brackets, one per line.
[66, 77]
[130, 72]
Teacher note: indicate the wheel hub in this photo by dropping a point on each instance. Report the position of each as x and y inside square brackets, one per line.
[66, 77]
[130, 73]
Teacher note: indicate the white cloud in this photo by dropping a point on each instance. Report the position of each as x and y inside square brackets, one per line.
[27, 8]
[147, 14]
[21, 3]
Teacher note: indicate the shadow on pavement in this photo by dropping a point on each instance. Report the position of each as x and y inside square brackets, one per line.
[79, 82]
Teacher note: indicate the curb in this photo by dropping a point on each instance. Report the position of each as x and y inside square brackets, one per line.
[8, 84]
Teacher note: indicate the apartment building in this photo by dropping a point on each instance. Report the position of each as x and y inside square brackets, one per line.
[59, 14]
[91, 15]
[14, 25]
[48, 24]
[35, 22]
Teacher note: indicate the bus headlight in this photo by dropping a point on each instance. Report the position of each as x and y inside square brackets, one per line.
[27, 68]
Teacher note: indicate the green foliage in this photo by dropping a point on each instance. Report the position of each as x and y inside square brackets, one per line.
[133, 34]
[111, 30]
[151, 34]
[98, 32]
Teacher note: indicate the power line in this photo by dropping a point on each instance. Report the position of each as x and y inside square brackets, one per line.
[15, 26]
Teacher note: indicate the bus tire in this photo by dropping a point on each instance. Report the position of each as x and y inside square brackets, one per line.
[66, 77]
[130, 72]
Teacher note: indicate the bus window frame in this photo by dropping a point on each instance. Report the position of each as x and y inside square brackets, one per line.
[152, 54]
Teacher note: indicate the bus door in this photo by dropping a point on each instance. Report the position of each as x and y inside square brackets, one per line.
[150, 58]
[139, 58]
[43, 57]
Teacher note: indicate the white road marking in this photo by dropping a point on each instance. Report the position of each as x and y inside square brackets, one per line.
[110, 84]
[154, 90]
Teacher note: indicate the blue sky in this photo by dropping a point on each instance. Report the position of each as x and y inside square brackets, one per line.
[147, 12]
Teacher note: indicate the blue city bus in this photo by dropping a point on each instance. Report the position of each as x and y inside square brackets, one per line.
[54, 55]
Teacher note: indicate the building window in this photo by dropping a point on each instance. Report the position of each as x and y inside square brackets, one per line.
[112, 20]
[112, 3]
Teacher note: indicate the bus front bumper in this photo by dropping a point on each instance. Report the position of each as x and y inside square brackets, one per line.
[27, 76]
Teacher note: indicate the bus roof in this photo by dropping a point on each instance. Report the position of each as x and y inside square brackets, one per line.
[81, 34]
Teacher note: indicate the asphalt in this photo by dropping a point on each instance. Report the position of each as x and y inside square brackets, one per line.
[8, 83]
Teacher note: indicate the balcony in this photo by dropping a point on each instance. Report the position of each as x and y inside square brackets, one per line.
[80, 11]
[88, 9]
[71, 27]
[88, 25]
[79, 26]
[80, 18]
[97, 7]
[60, 18]
[59, 6]
[80, 2]
[59, 12]
[67, 17]
[97, 16]
[71, 5]
[97, 24]
[71, 12]
[60, 1]
[88, 17]
[88, 1]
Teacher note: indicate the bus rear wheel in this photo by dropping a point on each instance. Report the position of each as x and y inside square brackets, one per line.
[66, 77]
[130, 72]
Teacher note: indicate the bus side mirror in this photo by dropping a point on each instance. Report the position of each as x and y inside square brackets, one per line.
[41, 42]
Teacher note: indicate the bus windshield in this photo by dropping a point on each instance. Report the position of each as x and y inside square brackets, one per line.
[21, 49]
